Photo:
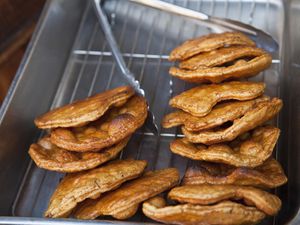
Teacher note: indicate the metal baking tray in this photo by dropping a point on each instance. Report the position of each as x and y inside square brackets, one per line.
[68, 59]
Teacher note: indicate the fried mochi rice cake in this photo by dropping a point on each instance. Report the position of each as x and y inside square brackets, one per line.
[48, 156]
[257, 116]
[218, 57]
[199, 101]
[249, 152]
[223, 213]
[84, 111]
[220, 114]
[212, 204]
[117, 124]
[251, 64]
[206, 194]
[76, 187]
[124, 202]
[208, 43]
[268, 175]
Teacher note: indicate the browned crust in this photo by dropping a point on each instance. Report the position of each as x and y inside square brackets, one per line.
[208, 43]
[223, 213]
[48, 156]
[268, 175]
[253, 118]
[220, 56]
[127, 213]
[207, 194]
[83, 111]
[251, 152]
[115, 126]
[130, 195]
[220, 114]
[200, 100]
[76, 187]
[240, 69]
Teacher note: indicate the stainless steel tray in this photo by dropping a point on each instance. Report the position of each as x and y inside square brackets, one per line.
[68, 59]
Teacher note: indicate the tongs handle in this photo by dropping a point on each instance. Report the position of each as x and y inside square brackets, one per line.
[168, 7]
[262, 39]
[115, 49]
[150, 121]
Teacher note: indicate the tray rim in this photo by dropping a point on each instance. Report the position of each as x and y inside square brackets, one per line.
[68, 221]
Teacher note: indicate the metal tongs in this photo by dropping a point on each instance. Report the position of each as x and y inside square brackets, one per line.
[262, 39]
[150, 121]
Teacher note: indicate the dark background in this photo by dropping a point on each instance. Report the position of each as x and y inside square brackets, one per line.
[17, 22]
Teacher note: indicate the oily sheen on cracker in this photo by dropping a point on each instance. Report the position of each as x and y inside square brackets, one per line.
[263, 112]
[219, 115]
[268, 175]
[48, 156]
[115, 125]
[84, 111]
[199, 101]
[251, 152]
[76, 187]
[223, 213]
[124, 202]
[207, 194]
[234, 66]
[208, 43]
[220, 57]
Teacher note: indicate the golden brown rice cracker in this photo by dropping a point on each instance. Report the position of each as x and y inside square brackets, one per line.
[251, 152]
[115, 125]
[239, 69]
[219, 115]
[124, 202]
[208, 43]
[220, 57]
[84, 111]
[207, 194]
[48, 156]
[223, 213]
[263, 112]
[76, 187]
[200, 100]
[268, 175]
